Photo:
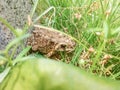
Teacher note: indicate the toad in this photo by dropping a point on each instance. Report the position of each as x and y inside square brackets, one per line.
[49, 41]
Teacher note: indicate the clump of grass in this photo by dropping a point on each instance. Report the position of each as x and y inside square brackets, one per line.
[95, 24]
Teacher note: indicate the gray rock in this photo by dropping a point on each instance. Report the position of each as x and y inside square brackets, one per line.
[5, 36]
[15, 12]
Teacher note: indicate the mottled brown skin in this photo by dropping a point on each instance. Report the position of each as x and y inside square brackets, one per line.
[49, 41]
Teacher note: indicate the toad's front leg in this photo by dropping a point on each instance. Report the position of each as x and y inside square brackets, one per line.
[52, 52]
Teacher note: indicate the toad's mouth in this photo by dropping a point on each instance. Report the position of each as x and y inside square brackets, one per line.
[68, 50]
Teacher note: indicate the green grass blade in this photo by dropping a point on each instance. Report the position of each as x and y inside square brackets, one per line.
[15, 41]
[8, 25]
[45, 12]
[34, 8]
[24, 52]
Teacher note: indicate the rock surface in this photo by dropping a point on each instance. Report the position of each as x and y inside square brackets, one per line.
[15, 12]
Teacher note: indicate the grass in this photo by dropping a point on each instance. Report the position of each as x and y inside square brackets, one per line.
[95, 26]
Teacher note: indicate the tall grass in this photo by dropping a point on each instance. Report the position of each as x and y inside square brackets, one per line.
[95, 24]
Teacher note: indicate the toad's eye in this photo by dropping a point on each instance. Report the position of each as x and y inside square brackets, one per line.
[63, 46]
